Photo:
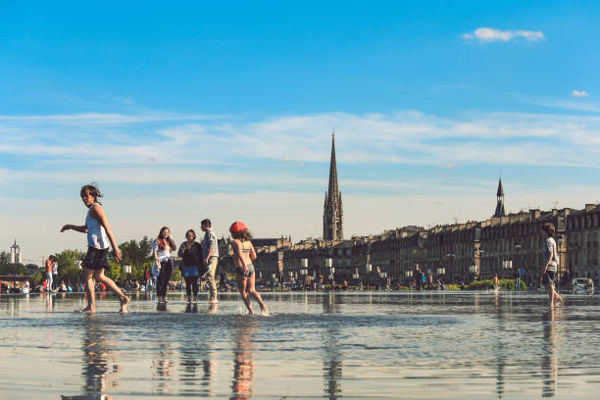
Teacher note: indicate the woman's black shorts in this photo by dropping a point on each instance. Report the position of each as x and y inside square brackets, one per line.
[96, 259]
[549, 277]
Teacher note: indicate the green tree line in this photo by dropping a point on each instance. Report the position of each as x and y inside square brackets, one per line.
[137, 254]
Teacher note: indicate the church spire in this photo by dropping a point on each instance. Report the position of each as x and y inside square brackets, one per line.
[333, 189]
[500, 201]
[332, 209]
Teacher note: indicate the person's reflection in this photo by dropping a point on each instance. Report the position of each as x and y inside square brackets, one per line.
[330, 303]
[550, 361]
[191, 309]
[96, 359]
[49, 301]
[332, 364]
[500, 349]
[162, 368]
[243, 363]
[195, 354]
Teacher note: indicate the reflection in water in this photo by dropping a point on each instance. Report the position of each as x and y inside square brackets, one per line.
[332, 363]
[162, 368]
[196, 352]
[315, 346]
[550, 361]
[96, 360]
[243, 362]
[500, 349]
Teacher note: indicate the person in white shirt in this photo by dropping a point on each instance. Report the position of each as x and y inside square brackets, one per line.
[162, 247]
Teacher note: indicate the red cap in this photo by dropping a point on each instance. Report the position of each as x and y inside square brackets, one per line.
[238, 226]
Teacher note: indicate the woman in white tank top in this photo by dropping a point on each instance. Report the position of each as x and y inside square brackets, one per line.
[99, 236]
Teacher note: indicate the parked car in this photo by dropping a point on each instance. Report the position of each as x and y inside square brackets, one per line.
[583, 285]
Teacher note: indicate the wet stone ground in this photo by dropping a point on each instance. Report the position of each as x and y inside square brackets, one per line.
[314, 345]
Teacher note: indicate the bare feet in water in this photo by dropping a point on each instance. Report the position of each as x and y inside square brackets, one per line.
[557, 302]
[87, 310]
[124, 303]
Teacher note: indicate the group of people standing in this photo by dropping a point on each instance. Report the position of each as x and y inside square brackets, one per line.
[198, 259]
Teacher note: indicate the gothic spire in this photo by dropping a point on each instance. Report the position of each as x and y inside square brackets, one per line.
[333, 189]
[500, 201]
[333, 228]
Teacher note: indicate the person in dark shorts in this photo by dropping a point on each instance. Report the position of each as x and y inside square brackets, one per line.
[99, 236]
[551, 261]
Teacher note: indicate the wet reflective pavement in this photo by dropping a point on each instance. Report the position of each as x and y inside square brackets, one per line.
[314, 345]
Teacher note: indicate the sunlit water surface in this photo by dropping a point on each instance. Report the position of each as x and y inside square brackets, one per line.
[314, 345]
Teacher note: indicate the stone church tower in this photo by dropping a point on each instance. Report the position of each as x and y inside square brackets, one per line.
[500, 201]
[333, 227]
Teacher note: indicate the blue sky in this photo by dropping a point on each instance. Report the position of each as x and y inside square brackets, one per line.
[225, 109]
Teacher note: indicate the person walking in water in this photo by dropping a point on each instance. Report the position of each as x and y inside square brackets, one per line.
[99, 235]
[55, 274]
[550, 263]
[210, 253]
[496, 283]
[162, 247]
[49, 268]
[190, 252]
[244, 254]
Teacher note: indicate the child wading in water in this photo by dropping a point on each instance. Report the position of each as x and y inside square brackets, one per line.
[244, 255]
[98, 235]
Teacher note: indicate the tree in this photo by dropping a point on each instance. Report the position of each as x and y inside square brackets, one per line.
[137, 255]
[115, 271]
[11, 269]
[32, 269]
[68, 270]
[4, 258]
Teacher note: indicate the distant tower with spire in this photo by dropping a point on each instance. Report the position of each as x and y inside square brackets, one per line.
[333, 227]
[500, 201]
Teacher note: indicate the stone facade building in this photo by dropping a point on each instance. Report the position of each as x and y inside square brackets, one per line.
[583, 236]
[506, 245]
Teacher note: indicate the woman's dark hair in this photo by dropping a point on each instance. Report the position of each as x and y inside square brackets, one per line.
[549, 228]
[92, 189]
[192, 232]
[242, 235]
[162, 229]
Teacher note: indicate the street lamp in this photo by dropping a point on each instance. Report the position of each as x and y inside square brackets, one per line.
[15, 257]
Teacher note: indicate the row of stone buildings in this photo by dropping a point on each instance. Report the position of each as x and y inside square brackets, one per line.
[503, 244]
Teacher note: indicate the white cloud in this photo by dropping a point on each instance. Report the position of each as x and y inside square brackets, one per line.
[402, 137]
[484, 35]
[579, 93]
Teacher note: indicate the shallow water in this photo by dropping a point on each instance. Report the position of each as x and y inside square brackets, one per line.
[314, 345]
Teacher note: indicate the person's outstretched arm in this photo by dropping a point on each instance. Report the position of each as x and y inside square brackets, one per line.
[78, 228]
